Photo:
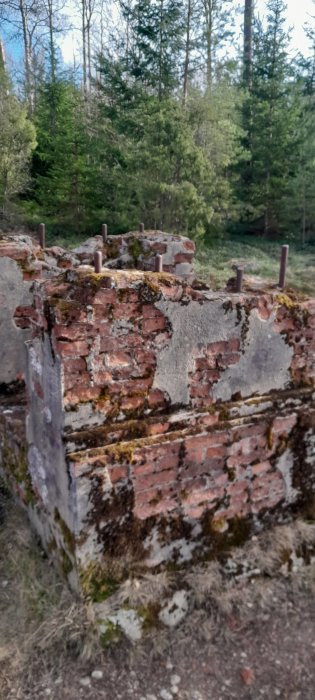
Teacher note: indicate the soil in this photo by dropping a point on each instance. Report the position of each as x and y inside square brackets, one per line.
[264, 646]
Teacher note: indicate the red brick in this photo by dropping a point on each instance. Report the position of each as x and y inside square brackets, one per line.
[76, 379]
[118, 359]
[105, 296]
[75, 331]
[118, 473]
[125, 311]
[195, 512]
[151, 325]
[216, 348]
[182, 258]
[260, 468]
[156, 398]
[146, 510]
[131, 402]
[205, 496]
[77, 364]
[147, 481]
[81, 394]
[284, 424]
[78, 348]
[149, 311]
[157, 428]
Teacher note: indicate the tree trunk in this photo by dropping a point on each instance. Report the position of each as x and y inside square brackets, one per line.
[187, 51]
[248, 42]
[208, 9]
[51, 41]
[83, 3]
[27, 58]
[161, 49]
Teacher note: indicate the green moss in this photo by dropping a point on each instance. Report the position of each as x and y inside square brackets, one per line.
[150, 615]
[26, 268]
[112, 249]
[16, 466]
[285, 300]
[221, 540]
[135, 249]
[112, 634]
[96, 584]
[67, 535]
[224, 414]
[65, 561]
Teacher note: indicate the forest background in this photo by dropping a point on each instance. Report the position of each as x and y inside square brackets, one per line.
[167, 118]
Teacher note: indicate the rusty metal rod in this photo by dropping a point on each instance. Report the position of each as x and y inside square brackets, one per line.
[239, 279]
[141, 228]
[104, 233]
[283, 265]
[98, 261]
[42, 236]
[158, 263]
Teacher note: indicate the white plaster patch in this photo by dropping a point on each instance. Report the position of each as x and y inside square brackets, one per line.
[37, 472]
[194, 326]
[183, 548]
[309, 439]
[285, 466]
[263, 366]
[250, 409]
[34, 361]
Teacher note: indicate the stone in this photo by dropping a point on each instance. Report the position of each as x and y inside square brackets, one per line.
[165, 694]
[97, 674]
[85, 682]
[176, 609]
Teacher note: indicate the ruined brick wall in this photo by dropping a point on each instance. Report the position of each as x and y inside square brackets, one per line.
[22, 261]
[166, 420]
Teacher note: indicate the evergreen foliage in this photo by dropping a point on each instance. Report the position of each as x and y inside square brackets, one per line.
[169, 127]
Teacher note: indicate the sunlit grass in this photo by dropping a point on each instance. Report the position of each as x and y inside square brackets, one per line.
[261, 258]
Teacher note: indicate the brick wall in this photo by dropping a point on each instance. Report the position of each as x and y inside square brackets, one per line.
[187, 416]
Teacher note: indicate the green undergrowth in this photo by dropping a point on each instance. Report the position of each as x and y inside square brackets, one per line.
[214, 264]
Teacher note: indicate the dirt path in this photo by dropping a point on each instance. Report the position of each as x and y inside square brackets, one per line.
[257, 641]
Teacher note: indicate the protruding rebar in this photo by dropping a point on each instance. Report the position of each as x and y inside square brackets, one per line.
[158, 263]
[141, 228]
[239, 279]
[283, 265]
[98, 261]
[104, 233]
[42, 235]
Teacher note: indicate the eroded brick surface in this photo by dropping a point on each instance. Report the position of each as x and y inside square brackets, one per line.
[165, 421]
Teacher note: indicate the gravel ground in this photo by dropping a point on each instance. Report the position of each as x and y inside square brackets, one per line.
[259, 641]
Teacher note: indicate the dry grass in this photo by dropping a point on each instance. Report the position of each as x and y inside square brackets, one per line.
[214, 265]
[40, 619]
[43, 628]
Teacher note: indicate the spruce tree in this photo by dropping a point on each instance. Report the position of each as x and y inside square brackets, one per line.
[274, 110]
[61, 164]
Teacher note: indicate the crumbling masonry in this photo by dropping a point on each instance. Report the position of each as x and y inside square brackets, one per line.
[160, 422]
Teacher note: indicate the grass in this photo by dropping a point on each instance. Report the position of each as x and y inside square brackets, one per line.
[45, 630]
[261, 258]
[40, 617]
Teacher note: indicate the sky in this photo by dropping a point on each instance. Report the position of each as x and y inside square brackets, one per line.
[299, 11]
